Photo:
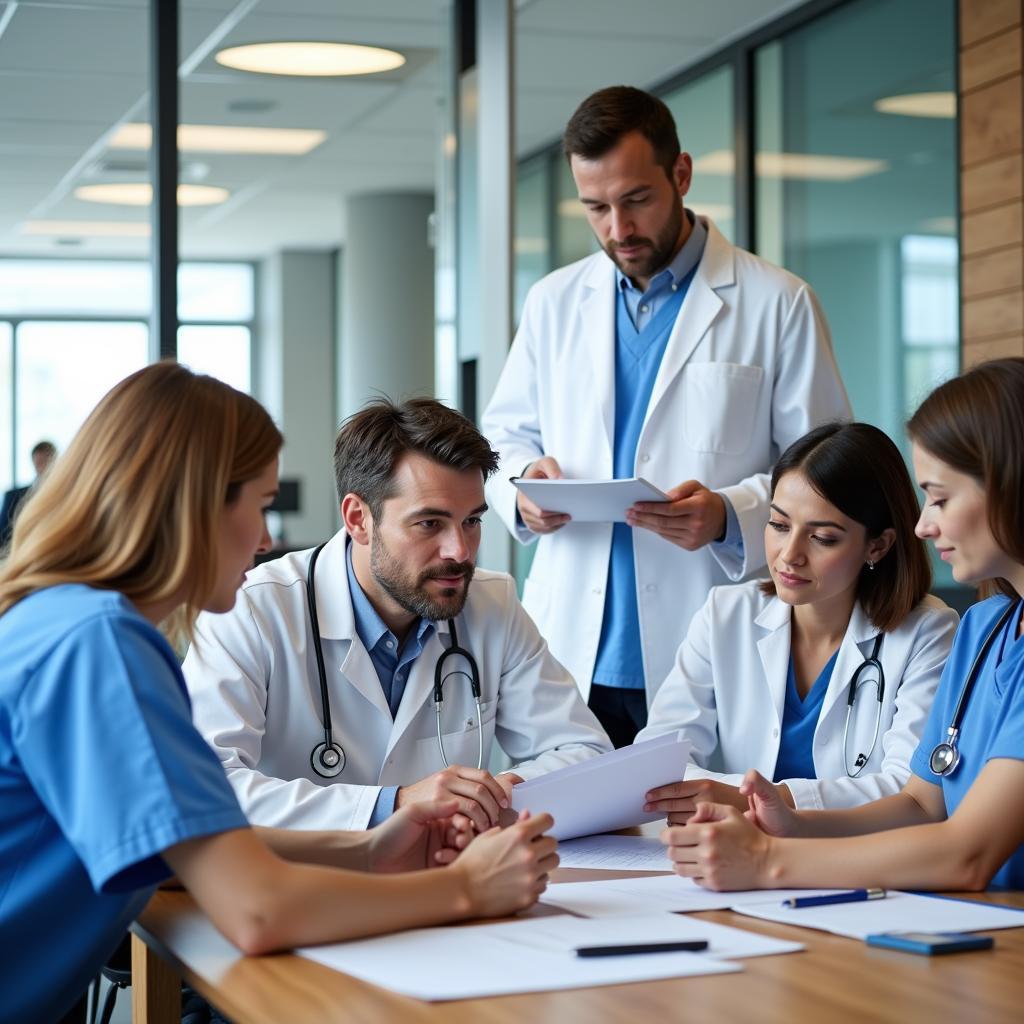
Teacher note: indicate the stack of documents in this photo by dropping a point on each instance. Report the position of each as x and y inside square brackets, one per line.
[589, 501]
[607, 792]
[538, 955]
[898, 912]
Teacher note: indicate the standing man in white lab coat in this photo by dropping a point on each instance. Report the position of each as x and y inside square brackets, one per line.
[394, 590]
[670, 355]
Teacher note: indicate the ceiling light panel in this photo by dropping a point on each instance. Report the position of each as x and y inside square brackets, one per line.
[138, 193]
[919, 104]
[213, 138]
[312, 59]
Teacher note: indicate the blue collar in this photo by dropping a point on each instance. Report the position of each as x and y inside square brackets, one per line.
[682, 263]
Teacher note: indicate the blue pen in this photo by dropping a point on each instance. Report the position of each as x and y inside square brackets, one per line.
[853, 896]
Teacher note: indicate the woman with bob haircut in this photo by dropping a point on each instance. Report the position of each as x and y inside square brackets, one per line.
[766, 673]
[959, 821]
[153, 514]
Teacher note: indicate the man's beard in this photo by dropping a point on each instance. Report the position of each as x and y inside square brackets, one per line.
[659, 255]
[411, 593]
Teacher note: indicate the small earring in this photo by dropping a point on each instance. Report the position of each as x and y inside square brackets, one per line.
[871, 565]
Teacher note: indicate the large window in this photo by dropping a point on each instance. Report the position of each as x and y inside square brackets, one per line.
[70, 330]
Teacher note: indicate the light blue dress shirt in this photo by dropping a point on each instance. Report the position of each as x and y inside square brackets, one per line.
[392, 661]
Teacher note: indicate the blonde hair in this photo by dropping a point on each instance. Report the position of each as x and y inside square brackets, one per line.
[133, 504]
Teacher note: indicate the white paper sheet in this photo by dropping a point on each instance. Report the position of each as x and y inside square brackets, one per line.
[898, 912]
[618, 897]
[606, 792]
[479, 960]
[590, 501]
[614, 853]
[562, 933]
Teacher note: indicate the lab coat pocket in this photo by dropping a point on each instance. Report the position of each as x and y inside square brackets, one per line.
[460, 735]
[720, 403]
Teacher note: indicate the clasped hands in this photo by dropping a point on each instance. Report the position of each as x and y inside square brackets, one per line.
[721, 835]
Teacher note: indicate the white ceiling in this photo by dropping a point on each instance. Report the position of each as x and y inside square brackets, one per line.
[73, 70]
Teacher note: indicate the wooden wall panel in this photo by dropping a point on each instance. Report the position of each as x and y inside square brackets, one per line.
[991, 105]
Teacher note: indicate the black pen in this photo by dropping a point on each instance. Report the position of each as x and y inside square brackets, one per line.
[689, 946]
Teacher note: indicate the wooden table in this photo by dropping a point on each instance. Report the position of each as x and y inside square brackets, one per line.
[834, 979]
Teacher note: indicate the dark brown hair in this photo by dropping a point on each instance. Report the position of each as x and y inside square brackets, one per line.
[371, 442]
[605, 116]
[858, 468]
[975, 424]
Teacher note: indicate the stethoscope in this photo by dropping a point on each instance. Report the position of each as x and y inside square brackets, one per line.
[870, 662]
[328, 758]
[946, 755]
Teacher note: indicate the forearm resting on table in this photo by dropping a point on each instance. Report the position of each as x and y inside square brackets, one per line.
[961, 852]
[338, 849]
[262, 903]
[897, 811]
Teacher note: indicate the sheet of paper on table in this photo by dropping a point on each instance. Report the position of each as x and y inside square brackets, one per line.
[898, 912]
[614, 853]
[606, 792]
[535, 955]
[590, 501]
[617, 897]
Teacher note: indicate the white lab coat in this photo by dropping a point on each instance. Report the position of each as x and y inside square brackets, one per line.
[727, 692]
[256, 696]
[747, 370]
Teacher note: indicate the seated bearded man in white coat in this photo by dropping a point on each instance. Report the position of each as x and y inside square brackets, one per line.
[343, 745]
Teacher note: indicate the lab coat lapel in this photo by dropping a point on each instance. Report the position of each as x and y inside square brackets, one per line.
[699, 309]
[337, 622]
[773, 649]
[419, 690]
[597, 335]
[859, 635]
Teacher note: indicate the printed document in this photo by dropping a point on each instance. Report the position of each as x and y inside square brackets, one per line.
[590, 501]
[606, 792]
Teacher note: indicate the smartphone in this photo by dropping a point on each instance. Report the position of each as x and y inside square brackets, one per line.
[930, 943]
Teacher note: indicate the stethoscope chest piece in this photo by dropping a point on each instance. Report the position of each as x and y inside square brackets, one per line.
[945, 757]
[327, 760]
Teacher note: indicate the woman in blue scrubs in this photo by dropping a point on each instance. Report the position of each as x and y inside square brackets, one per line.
[153, 514]
[959, 821]
[764, 677]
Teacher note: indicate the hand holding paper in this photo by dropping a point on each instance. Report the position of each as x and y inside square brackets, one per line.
[606, 792]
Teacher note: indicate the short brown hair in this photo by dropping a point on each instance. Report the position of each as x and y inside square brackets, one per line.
[605, 116]
[858, 468]
[371, 442]
[975, 424]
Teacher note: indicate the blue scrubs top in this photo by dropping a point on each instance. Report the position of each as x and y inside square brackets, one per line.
[799, 721]
[993, 724]
[100, 771]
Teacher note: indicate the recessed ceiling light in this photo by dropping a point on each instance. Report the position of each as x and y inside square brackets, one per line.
[87, 228]
[795, 166]
[140, 193]
[307, 58]
[217, 138]
[919, 104]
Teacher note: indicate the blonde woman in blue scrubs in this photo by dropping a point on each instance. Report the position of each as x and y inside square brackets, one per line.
[154, 513]
[959, 821]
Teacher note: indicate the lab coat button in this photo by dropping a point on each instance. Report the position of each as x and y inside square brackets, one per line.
[597, 590]
[775, 734]
[645, 457]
